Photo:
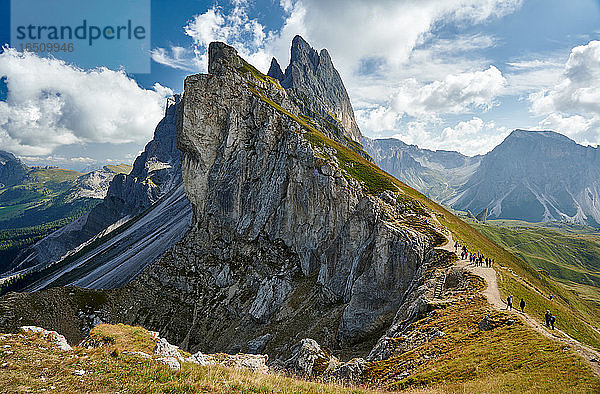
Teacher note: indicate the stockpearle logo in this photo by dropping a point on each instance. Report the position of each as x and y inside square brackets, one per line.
[97, 33]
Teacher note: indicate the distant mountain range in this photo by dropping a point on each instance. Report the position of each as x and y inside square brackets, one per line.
[139, 214]
[34, 201]
[532, 175]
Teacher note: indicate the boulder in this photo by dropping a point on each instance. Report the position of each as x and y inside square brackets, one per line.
[52, 336]
[309, 359]
[350, 370]
[165, 349]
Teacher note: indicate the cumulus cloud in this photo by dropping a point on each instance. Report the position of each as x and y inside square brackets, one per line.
[579, 87]
[377, 118]
[455, 94]
[51, 103]
[572, 106]
[582, 129]
[470, 137]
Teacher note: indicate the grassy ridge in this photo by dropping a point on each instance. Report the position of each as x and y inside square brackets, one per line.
[510, 358]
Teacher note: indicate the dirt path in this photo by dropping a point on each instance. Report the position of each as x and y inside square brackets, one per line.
[492, 294]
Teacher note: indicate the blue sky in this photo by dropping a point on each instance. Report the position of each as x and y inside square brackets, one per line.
[443, 74]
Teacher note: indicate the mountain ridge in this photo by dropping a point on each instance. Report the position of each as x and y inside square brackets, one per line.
[546, 172]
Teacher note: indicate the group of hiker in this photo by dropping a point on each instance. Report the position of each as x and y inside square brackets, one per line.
[474, 258]
[550, 318]
[480, 260]
[509, 305]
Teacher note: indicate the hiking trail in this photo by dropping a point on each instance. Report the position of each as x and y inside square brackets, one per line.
[491, 292]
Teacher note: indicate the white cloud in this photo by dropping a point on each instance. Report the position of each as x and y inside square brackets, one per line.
[389, 29]
[579, 87]
[51, 103]
[455, 94]
[582, 129]
[377, 119]
[464, 128]
[177, 57]
[470, 137]
[235, 28]
[572, 105]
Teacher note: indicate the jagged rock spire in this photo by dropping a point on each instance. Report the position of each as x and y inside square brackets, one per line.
[313, 74]
[275, 70]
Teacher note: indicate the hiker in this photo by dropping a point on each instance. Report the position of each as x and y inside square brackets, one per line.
[456, 245]
[552, 321]
[509, 302]
[522, 305]
[551, 296]
[547, 318]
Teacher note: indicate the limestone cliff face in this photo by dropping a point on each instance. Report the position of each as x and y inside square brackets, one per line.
[285, 241]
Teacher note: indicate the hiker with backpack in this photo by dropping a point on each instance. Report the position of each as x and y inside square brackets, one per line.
[509, 302]
[552, 321]
[547, 316]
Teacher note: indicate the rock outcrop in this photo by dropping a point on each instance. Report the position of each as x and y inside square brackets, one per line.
[59, 340]
[12, 169]
[93, 184]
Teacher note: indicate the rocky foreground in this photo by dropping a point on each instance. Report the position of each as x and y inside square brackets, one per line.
[120, 358]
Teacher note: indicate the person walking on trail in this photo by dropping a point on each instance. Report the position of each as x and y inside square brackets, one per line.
[522, 305]
[552, 321]
[547, 318]
[509, 302]
[456, 245]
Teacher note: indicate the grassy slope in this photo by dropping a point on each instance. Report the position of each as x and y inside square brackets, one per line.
[509, 358]
[572, 256]
[41, 190]
[36, 365]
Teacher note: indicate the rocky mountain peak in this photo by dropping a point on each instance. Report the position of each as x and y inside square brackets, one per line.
[12, 169]
[312, 77]
[222, 57]
[275, 70]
